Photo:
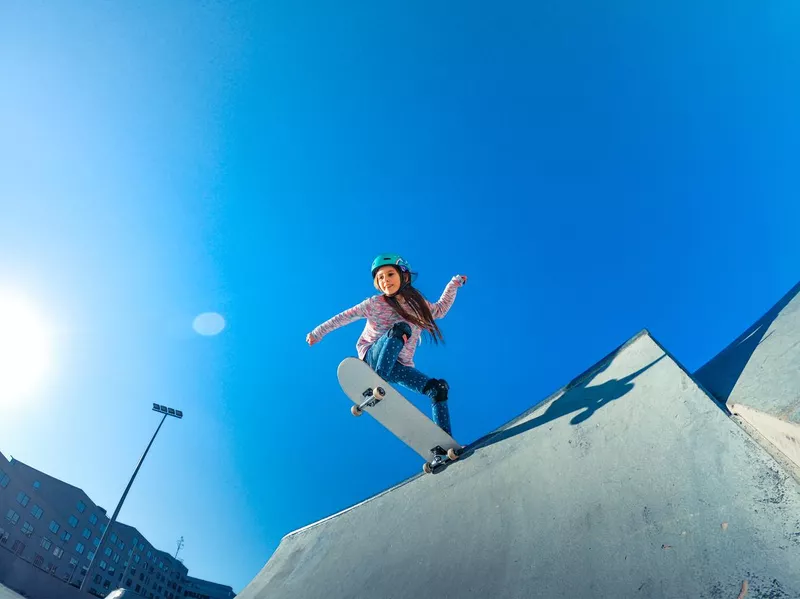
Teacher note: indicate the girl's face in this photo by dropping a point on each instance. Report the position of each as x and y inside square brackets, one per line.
[388, 280]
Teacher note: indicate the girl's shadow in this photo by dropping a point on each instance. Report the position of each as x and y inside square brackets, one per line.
[575, 397]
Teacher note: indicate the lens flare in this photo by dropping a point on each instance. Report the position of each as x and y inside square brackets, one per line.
[209, 324]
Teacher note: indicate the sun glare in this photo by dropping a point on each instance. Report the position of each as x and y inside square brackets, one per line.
[24, 348]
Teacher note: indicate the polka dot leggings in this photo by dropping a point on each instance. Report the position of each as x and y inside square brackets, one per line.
[382, 358]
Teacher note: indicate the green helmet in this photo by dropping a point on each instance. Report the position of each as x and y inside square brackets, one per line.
[392, 260]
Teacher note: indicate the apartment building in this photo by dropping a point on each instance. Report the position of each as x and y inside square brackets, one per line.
[203, 589]
[58, 528]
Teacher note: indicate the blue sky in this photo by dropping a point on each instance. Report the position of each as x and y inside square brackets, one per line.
[594, 169]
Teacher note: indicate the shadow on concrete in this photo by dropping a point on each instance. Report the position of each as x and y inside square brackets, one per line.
[578, 398]
[720, 374]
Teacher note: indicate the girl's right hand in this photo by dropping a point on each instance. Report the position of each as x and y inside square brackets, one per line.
[311, 340]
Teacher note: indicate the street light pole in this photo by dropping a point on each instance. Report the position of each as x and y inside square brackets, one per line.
[156, 408]
[180, 546]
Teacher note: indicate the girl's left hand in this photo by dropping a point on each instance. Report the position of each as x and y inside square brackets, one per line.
[461, 280]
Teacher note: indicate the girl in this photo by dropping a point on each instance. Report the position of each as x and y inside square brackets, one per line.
[395, 322]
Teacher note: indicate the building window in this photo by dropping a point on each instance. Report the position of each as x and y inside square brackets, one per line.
[18, 547]
[23, 499]
[73, 521]
[58, 552]
[86, 533]
[66, 536]
[54, 526]
[27, 529]
[90, 555]
[38, 560]
[111, 570]
[46, 543]
[107, 551]
[4, 480]
[12, 516]
[96, 542]
[3, 537]
[113, 537]
[36, 484]
[103, 564]
[81, 506]
[79, 548]
[93, 519]
[36, 511]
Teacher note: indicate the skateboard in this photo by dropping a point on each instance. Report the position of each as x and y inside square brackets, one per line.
[371, 394]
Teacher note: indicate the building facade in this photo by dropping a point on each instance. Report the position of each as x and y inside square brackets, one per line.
[203, 589]
[58, 528]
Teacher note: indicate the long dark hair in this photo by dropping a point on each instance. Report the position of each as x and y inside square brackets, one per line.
[420, 314]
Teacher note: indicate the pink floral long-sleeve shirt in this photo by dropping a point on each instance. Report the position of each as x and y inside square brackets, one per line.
[380, 318]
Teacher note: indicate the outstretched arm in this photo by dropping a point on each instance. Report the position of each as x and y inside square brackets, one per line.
[341, 319]
[441, 307]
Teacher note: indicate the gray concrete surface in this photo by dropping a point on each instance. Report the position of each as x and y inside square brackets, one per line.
[758, 375]
[630, 482]
[6, 593]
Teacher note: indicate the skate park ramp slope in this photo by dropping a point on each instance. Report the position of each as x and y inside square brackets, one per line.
[757, 376]
[629, 482]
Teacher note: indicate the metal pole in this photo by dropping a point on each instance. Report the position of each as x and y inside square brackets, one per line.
[128, 566]
[180, 546]
[119, 505]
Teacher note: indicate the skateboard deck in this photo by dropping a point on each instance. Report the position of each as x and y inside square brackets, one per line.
[402, 418]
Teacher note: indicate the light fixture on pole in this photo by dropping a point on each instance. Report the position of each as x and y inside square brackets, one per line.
[166, 411]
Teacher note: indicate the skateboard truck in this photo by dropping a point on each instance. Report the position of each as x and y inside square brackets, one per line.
[373, 397]
[440, 459]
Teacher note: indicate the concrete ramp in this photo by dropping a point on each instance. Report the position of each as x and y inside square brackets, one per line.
[630, 482]
[758, 376]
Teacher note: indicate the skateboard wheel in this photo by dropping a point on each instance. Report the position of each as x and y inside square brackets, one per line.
[379, 393]
[433, 468]
[356, 411]
[452, 454]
